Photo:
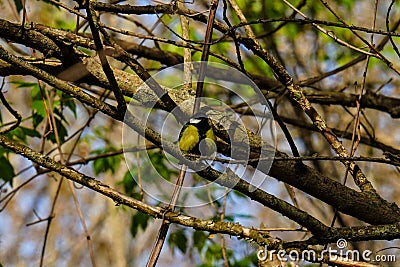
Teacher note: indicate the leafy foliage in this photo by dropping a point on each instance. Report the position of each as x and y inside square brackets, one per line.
[199, 240]
[23, 132]
[130, 186]
[105, 164]
[178, 239]
[18, 5]
[139, 220]
[39, 112]
[159, 162]
[7, 170]
[69, 102]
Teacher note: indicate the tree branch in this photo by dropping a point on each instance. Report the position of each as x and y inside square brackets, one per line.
[370, 100]
[306, 179]
[233, 229]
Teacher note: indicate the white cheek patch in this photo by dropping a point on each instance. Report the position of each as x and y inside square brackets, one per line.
[194, 120]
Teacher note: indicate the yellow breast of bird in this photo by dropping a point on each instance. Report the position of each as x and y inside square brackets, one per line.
[210, 135]
[210, 143]
[189, 138]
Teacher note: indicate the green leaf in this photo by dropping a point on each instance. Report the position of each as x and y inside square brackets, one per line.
[22, 132]
[111, 163]
[18, 5]
[139, 220]
[69, 102]
[101, 165]
[7, 170]
[36, 93]
[36, 119]
[59, 114]
[159, 163]
[128, 183]
[38, 107]
[22, 84]
[213, 253]
[199, 240]
[178, 239]
[130, 186]
[30, 132]
[62, 132]
[19, 133]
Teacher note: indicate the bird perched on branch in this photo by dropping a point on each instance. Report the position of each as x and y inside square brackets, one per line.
[197, 137]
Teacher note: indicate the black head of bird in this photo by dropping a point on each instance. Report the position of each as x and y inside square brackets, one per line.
[197, 137]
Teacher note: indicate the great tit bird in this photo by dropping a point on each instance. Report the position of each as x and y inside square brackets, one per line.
[197, 137]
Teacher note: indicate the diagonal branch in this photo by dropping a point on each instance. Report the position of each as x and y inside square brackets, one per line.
[306, 179]
[94, 26]
[233, 229]
[155, 253]
[13, 112]
[370, 100]
[389, 231]
[297, 95]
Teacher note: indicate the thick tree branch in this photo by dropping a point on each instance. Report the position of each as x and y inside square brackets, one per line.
[326, 235]
[29, 37]
[297, 95]
[343, 134]
[369, 100]
[137, 10]
[306, 179]
[233, 229]
[322, 187]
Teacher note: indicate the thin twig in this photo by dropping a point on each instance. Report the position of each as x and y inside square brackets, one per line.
[233, 35]
[370, 45]
[250, 34]
[388, 28]
[223, 245]
[92, 18]
[155, 253]
[13, 112]
[329, 33]
[204, 55]
[50, 218]
[7, 198]
[58, 141]
[304, 158]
